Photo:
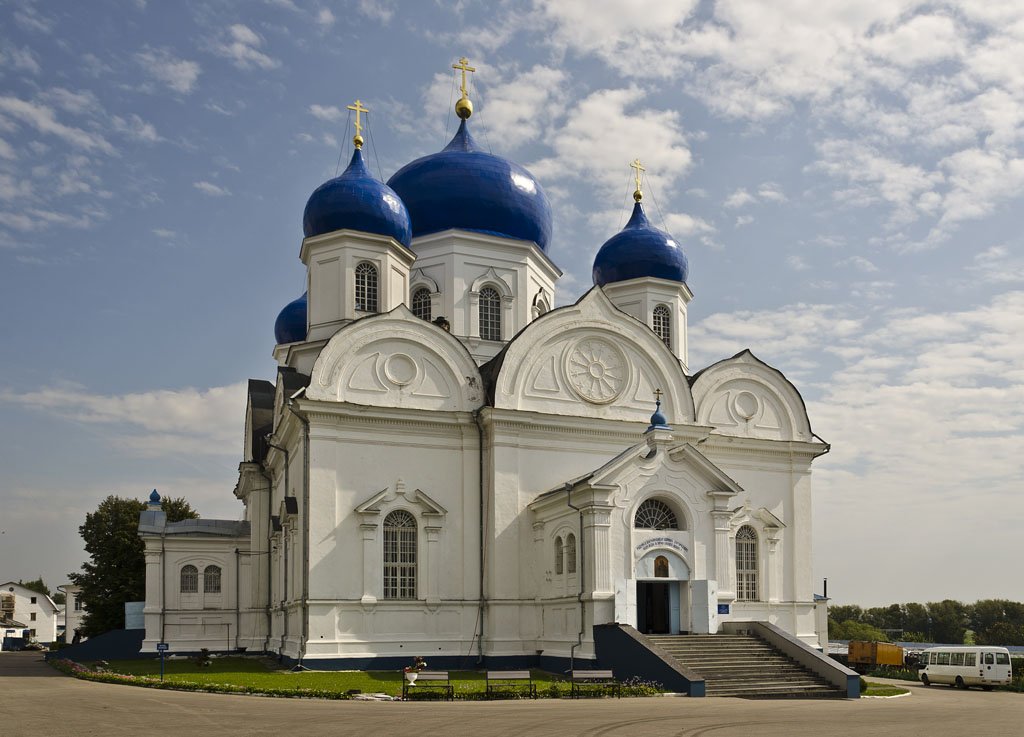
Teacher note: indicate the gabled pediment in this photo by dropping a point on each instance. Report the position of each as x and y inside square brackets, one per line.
[399, 496]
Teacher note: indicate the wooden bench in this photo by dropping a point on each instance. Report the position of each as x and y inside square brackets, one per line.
[584, 681]
[510, 682]
[429, 683]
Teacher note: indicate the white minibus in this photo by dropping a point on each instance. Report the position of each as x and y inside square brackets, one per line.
[963, 667]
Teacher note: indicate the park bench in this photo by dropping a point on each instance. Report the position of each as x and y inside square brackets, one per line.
[430, 683]
[585, 681]
[510, 682]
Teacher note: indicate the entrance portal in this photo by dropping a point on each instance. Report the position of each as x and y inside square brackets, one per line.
[652, 607]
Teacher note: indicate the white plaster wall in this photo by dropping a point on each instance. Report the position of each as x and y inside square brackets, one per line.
[45, 623]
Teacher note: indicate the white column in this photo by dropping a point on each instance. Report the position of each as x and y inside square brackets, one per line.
[371, 569]
[433, 566]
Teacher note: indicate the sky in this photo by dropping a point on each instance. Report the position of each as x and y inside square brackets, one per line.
[842, 176]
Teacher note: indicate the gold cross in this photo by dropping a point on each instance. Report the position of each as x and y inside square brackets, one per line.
[635, 164]
[465, 67]
[358, 108]
[657, 394]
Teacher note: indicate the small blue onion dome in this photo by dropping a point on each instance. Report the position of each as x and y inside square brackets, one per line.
[154, 497]
[290, 326]
[640, 250]
[658, 419]
[357, 201]
[466, 188]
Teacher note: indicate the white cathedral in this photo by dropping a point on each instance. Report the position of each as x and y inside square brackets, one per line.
[445, 466]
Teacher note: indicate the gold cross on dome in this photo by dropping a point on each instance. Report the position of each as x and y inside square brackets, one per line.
[635, 164]
[465, 67]
[358, 108]
[657, 394]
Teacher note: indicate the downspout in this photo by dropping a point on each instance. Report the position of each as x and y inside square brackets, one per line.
[163, 582]
[583, 558]
[238, 593]
[270, 573]
[284, 542]
[481, 602]
[305, 526]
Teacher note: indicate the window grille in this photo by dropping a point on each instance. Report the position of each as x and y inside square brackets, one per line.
[654, 514]
[663, 324]
[746, 564]
[421, 304]
[570, 553]
[490, 314]
[558, 556]
[189, 580]
[366, 287]
[400, 556]
[211, 580]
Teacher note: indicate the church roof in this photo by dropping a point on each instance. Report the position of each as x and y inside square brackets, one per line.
[640, 250]
[467, 188]
[290, 326]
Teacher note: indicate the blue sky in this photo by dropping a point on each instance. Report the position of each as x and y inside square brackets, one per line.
[846, 178]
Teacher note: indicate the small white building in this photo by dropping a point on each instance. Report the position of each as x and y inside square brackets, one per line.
[492, 483]
[24, 609]
[73, 611]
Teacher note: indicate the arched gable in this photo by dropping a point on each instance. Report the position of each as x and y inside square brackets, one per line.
[396, 360]
[591, 360]
[746, 397]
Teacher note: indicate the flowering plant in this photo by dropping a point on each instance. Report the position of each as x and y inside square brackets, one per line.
[418, 664]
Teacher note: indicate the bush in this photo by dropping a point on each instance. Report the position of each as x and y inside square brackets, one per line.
[863, 685]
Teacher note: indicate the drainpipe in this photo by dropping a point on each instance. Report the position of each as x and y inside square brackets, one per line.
[238, 593]
[583, 557]
[270, 572]
[163, 582]
[305, 526]
[482, 602]
[284, 540]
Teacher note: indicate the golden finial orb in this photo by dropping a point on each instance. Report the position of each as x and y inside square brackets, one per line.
[464, 106]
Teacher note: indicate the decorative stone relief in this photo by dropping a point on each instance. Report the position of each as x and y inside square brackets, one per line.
[596, 370]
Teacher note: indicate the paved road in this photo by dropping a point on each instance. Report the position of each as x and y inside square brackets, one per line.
[37, 701]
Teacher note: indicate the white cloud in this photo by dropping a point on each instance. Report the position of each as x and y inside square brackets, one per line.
[21, 59]
[43, 120]
[381, 11]
[325, 18]
[211, 189]
[136, 128]
[999, 265]
[797, 263]
[511, 105]
[31, 19]
[6, 151]
[330, 113]
[164, 233]
[860, 263]
[12, 188]
[739, 198]
[742, 220]
[178, 74]
[242, 45]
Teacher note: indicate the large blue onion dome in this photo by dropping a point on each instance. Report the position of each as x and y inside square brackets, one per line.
[357, 201]
[466, 188]
[290, 326]
[640, 250]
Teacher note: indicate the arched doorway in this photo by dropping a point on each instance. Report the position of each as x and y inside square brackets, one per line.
[662, 593]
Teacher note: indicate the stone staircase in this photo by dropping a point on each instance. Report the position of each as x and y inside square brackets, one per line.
[744, 665]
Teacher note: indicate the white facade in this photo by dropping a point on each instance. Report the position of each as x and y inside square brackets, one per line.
[31, 611]
[73, 611]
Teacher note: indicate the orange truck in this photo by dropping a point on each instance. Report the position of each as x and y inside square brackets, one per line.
[865, 656]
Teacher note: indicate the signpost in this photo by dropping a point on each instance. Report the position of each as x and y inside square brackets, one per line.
[162, 648]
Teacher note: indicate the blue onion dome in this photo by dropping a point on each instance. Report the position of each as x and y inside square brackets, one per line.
[640, 250]
[290, 326]
[466, 188]
[357, 201]
[154, 497]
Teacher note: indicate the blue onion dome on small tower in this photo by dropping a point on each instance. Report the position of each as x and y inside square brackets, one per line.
[467, 188]
[356, 200]
[290, 326]
[640, 250]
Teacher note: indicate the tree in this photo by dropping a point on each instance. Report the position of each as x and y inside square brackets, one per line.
[38, 584]
[851, 630]
[116, 571]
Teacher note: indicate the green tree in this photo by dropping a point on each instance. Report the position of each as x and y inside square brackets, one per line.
[116, 570]
[949, 619]
[38, 584]
[851, 630]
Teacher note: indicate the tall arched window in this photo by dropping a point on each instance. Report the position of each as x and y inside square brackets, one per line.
[400, 556]
[421, 303]
[189, 580]
[654, 514]
[570, 553]
[211, 580]
[663, 324]
[366, 287]
[558, 556]
[490, 314]
[746, 564]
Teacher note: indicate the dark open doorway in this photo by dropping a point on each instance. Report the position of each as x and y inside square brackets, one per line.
[652, 604]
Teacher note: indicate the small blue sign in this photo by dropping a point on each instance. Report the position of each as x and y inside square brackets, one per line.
[162, 647]
[723, 608]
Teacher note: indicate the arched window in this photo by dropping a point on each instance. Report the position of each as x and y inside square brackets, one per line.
[570, 553]
[366, 287]
[421, 303]
[558, 556]
[661, 567]
[663, 324]
[400, 556]
[211, 580]
[189, 580]
[654, 514]
[490, 314]
[746, 564]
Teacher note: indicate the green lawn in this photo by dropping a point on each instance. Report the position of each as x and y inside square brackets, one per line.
[883, 689]
[259, 675]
